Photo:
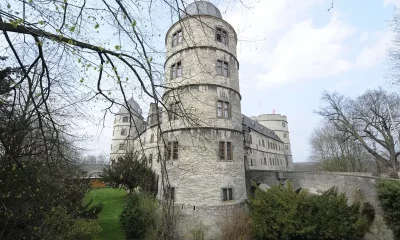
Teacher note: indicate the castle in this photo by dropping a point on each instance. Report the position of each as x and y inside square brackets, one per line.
[199, 130]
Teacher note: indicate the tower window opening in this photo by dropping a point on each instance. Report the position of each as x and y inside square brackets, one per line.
[121, 146]
[223, 109]
[176, 70]
[170, 192]
[177, 38]
[227, 194]
[123, 132]
[225, 151]
[284, 135]
[152, 138]
[172, 150]
[150, 159]
[283, 124]
[173, 111]
[221, 36]
[222, 68]
[125, 119]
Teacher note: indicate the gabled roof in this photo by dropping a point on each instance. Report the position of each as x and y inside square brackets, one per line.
[257, 127]
[134, 106]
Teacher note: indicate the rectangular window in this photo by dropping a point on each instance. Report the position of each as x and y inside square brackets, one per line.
[223, 109]
[168, 151]
[175, 149]
[121, 146]
[174, 111]
[176, 70]
[152, 138]
[123, 132]
[227, 194]
[226, 69]
[221, 36]
[219, 67]
[170, 193]
[125, 119]
[177, 38]
[263, 143]
[225, 151]
[150, 159]
[221, 150]
[219, 109]
[265, 161]
[222, 68]
[228, 151]
[171, 150]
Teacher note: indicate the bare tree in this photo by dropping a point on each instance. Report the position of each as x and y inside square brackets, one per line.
[334, 151]
[372, 119]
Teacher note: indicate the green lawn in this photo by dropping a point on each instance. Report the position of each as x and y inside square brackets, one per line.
[113, 200]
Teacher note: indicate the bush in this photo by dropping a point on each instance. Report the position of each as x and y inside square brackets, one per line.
[238, 227]
[58, 224]
[281, 213]
[139, 217]
[389, 196]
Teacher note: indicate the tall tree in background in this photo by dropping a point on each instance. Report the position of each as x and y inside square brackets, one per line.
[334, 151]
[372, 119]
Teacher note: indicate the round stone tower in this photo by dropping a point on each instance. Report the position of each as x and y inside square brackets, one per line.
[123, 131]
[203, 121]
[279, 124]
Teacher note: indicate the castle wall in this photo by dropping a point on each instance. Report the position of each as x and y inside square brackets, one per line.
[279, 124]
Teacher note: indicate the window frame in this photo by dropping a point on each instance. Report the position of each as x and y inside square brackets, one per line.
[125, 118]
[177, 37]
[176, 69]
[123, 132]
[174, 108]
[222, 68]
[225, 151]
[227, 194]
[225, 108]
[171, 151]
[123, 146]
[221, 35]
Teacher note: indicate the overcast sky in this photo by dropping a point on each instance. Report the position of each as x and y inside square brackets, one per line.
[290, 51]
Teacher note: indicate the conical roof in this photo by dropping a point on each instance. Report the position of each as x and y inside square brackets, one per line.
[201, 8]
[134, 106]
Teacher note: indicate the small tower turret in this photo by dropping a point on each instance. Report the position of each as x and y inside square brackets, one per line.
[128, 123]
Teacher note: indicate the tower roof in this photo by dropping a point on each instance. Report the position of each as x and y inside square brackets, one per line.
[201, 8]
[133, 105]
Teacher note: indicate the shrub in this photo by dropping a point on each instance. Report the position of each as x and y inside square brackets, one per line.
[281, 213]
[196, 233]
[139, 217]
[389, 196]
[58, 224]
[238, 227]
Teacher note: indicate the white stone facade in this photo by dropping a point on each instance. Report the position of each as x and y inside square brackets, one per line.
[202, 115]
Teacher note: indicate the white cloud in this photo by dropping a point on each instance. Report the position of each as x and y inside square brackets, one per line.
[372, 55]
[391, 2]
[305, 52]
[296, 48]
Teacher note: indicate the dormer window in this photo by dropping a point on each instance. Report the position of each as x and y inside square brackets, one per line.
[221, 36]
[176, 70]
[177, 38]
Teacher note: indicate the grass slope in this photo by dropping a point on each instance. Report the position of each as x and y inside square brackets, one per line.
[113, 200]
